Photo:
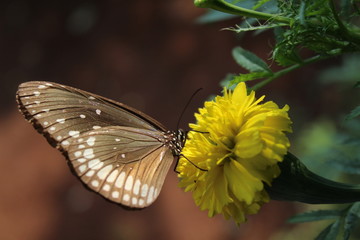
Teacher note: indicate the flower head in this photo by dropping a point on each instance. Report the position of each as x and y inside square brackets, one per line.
[232, 151]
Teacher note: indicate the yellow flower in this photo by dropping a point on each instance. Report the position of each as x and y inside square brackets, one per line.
[232, 151]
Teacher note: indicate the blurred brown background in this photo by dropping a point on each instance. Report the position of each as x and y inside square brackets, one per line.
[148, 54]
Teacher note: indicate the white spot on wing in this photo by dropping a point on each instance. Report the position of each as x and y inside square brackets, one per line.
[144, 190]
[46, 123]
[82, 168]
[126, 197]
[134, 200]
[36, 93]
[96, 127]
[74, 133]
[82, 116]
[117, 139]
[120, 180]
[95, 164]
[98, 111]
[65, 143]
[91, 97]
[81, 146]
[89, 153]
[106, 187]
[60, 120]
[115, 194]
[104, 172]
[91, 141]
[129, 183]
[41, 86]
[123, 155]
[141, 202]
[77, 153]
[150, 197]
[136, 189]
[95, 183]
[90, 173]
[81, 160]
[111, 178]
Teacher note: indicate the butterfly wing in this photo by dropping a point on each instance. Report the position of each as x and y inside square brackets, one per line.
[60, 112]
[125, 165]
[127, 146]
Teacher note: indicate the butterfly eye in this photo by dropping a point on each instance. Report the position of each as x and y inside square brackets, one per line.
[115, 150]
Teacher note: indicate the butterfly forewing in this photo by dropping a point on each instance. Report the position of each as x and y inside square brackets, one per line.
[117, 151]
[60, 112]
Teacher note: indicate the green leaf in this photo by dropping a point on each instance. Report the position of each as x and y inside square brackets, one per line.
[301, 15]
[214, 16]
[249, 61]
[354, 113]
[351, 219]
[330, 232]
[227, 81]
[315, 216]
[260, 3]
[250, 76]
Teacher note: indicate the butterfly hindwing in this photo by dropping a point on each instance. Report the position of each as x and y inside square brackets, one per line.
[123, 164]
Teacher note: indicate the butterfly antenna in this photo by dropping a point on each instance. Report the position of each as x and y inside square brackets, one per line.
[187, 104]
[182, 155]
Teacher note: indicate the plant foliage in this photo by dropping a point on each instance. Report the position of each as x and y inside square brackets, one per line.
[325, 29]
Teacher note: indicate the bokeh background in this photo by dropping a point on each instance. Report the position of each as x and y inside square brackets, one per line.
[151, 55]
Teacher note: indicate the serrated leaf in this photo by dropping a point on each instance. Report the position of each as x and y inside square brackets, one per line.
[249, 61]
[351, 219]
[315, 216]
[354, 113]
[330, 232]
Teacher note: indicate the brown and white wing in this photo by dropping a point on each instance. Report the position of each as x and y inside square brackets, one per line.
[61, 112]
[123, 164]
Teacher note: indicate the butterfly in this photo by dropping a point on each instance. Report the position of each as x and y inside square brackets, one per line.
[115, 150]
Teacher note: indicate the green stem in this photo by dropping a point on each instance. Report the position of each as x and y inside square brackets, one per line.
[287, 70]
[297, 183]
[223, 6]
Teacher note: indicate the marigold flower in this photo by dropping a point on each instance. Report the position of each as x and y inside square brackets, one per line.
[232, 151]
